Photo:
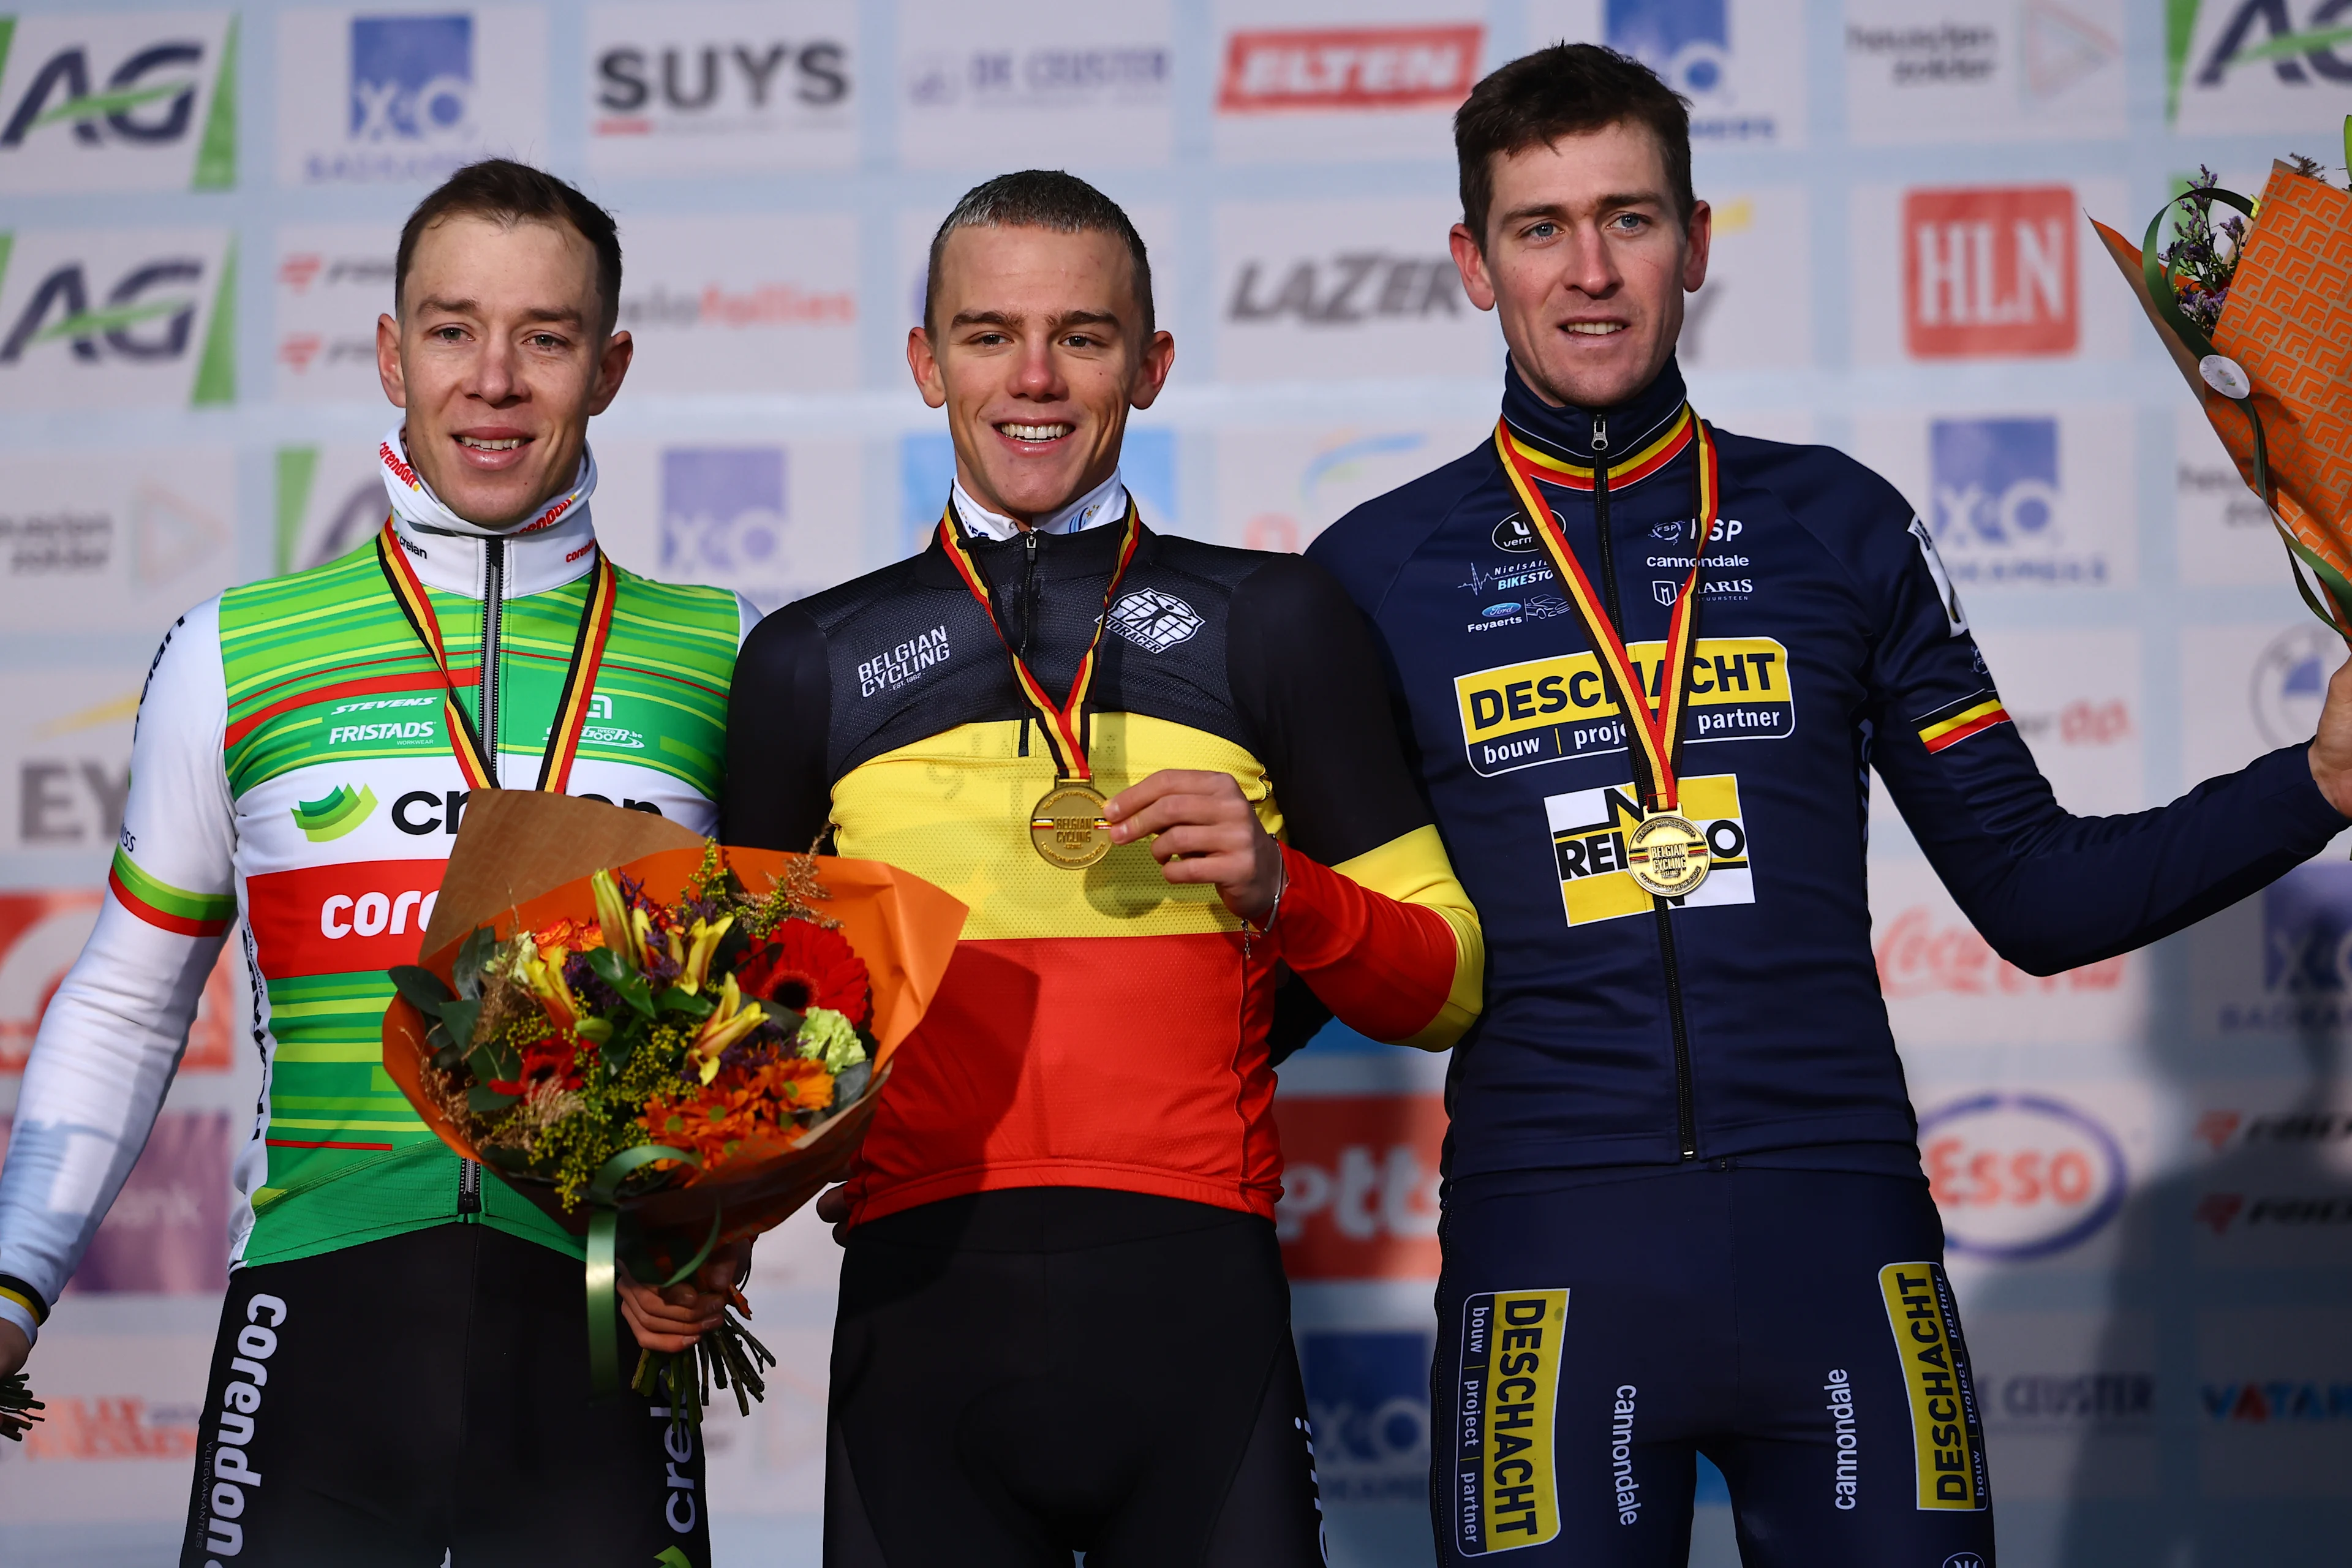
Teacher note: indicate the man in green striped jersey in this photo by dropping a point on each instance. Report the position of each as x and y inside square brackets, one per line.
[400, 1369]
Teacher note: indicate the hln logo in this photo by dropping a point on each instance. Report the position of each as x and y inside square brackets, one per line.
[412, 78]
[1995, 482]
[1990, 272]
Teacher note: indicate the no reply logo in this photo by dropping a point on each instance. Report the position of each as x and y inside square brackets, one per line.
[1505, 1494]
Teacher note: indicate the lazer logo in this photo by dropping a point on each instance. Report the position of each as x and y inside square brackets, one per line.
[1990, 272]
[1351, 288]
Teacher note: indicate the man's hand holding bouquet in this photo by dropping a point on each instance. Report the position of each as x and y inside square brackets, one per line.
[666, 1044]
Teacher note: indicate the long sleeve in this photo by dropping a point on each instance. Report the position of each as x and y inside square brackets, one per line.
[1372, 919]
[778, 713]
[2048, 889]
[112, 1035]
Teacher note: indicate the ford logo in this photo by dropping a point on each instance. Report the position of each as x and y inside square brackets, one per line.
[1508, 607]
[2020, 1175]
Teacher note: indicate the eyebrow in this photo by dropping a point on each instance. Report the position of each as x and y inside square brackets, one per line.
[564, 315]
[1013, 320]
[1612, 200]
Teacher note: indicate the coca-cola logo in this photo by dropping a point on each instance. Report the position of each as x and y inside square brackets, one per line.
[2019, 1176]
[1359, 1185]
[1922, 953]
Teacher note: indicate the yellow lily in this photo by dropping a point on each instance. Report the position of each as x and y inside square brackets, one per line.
[613, 915]
[734, 1017]
[701, 946]
[641, 928]
[543, 972]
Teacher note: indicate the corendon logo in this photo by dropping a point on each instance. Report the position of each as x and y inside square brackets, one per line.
[1920, 955]
[1990, 272]
[1350, 67]
[1359, 1185]
[339, 920]
[399, 465]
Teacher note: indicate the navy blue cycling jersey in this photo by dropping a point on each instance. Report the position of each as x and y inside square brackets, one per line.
[1745, 1020]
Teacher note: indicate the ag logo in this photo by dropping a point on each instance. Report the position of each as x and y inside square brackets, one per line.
[2290, 684]
[117, 104]
[115, 316]
[1513, 536]
[2255, 64]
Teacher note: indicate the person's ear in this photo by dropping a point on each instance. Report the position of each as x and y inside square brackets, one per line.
[925, 366]
[1470, 260]
[388, 370]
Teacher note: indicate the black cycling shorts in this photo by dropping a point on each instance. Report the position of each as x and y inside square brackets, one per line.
[1019, 1375]
[1793, 1326]
[390, 1403]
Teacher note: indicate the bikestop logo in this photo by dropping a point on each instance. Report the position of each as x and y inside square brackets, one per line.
[117, 317]
[118, 103]
[411, 104]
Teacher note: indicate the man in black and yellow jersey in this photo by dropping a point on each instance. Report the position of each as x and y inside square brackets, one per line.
[1158, 774]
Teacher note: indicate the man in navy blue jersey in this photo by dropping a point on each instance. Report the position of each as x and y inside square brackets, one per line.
[1684, 1206]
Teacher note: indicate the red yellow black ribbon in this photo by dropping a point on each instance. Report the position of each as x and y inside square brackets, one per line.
[1656, 730]
[579, 679]
[1064, 723]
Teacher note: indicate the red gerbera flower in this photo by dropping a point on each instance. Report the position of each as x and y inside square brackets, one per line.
[804, 965]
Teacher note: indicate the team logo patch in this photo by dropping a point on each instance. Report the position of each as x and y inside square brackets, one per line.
[340, 810]
[1546, 709]
[1505, 1493]
[1154, 621]
[1946, 1428]
[1590, 829]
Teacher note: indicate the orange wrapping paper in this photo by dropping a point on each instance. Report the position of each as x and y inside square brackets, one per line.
[2288, 322]
[521, 862]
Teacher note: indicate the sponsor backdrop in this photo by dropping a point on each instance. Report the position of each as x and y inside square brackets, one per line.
[2145, 1166]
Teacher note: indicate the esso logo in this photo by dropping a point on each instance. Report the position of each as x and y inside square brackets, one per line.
[2019, 1176]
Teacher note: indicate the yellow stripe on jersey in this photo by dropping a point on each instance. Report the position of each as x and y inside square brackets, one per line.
[1413, 868]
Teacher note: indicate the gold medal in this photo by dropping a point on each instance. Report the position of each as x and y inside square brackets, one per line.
[1667, 856]
[1068, 827]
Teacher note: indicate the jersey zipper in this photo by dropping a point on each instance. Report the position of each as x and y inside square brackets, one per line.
[1685, 1114]
[1028, 586]
[486, 704]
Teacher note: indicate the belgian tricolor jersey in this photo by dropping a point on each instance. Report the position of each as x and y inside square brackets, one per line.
[1102, 1028]
[1744, 1018]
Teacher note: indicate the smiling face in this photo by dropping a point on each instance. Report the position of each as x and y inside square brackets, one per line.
[499, 354]
[1039, 354]
[1586, 264]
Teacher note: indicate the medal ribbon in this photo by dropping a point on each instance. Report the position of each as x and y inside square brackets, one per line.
[1064, 723]
[1656, 730]
[578, 680]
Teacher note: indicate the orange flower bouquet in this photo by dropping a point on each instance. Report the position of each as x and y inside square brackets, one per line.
[661, 1051]
[2256, 311]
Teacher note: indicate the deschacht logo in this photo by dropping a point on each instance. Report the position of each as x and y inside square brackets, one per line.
[1350, 68]
[1990, 272]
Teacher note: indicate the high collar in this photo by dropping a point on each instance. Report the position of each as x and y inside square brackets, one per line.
[448, 552]
[1107, 502]
[1568, 433]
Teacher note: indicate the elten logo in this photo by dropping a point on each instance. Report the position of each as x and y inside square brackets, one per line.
[1352, 69]
[118, 103]
[1989, 273]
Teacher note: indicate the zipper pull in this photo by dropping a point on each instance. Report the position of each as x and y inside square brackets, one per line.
[469, 1188]
[1600, 433]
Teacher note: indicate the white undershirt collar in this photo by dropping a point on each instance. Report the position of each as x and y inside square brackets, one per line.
[1107, 502]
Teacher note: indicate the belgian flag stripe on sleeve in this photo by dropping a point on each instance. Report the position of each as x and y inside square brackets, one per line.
[1951, 725]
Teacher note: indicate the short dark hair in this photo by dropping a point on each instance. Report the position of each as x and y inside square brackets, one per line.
[1040, 198]
[512, 192]
[1565, 90]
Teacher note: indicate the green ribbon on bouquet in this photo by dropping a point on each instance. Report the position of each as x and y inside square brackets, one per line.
[603, 1272]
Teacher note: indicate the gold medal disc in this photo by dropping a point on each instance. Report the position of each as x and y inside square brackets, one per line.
[1068, 826]
[1667, 856]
